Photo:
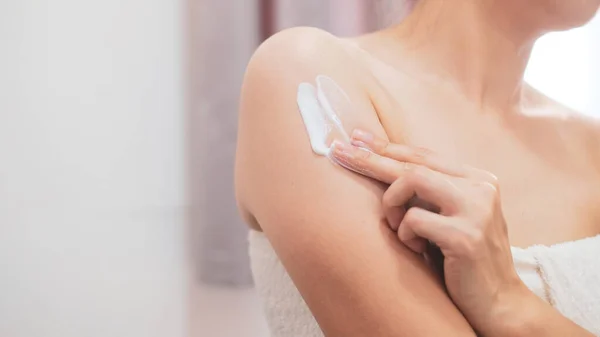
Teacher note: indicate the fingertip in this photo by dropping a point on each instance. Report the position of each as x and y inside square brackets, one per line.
[394, 217]
[341, 149]
[346, 156]
[417, 245]
[360, 144]
[362, 135]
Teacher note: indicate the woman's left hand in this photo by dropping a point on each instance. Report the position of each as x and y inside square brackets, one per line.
[457, 208]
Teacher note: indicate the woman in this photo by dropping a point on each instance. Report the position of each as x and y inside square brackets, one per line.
[448, 79]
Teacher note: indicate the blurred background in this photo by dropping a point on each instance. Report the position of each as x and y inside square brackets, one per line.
[115, 218]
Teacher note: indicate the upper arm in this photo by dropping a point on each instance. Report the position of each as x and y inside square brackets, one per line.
[326, 223]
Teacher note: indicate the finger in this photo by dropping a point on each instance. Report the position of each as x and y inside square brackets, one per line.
[424, 226]
[365, 162]
[394, 216]
[406, 153]
[434, 189]
[415, 155]
[417, 245]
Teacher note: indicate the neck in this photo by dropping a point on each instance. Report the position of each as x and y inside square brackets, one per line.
[473, 45]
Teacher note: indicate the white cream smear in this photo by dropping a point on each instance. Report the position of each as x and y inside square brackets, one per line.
[320, 107]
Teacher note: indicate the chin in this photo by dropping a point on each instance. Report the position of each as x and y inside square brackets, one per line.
[568, 14]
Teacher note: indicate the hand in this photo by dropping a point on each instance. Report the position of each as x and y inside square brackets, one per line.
[457, 208]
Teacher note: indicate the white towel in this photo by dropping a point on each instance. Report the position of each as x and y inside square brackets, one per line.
[566, 275]
[571, 273]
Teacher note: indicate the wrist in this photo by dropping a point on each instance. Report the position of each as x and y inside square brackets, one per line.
[514, 313]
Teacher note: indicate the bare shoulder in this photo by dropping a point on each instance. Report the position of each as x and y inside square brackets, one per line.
[305, 46]
[591, 124]
[590, 132]
[579, 123]
[583, 130]
[269, 116]
[300, 53]
[325, 223]
[584, 127]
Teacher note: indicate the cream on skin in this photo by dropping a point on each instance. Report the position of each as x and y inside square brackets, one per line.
[320, 109]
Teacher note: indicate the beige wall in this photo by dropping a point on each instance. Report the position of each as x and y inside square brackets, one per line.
[92, 169]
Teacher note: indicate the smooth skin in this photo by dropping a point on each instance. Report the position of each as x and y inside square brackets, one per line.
[448, 79]
[327, 224]
[467, 225]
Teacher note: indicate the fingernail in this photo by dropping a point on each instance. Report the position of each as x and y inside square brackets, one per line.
[360, 144]
[341, 149]
[362, 136]
[345, 155]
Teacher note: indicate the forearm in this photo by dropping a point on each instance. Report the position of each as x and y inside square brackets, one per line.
[527, 316]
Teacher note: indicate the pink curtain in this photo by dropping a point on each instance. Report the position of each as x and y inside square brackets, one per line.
[223, 37]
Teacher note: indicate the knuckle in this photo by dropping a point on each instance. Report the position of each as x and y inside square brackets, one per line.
[384, 149]
[414, 173]
[493, 180]
[469, 242]
[421, 153]
[412, 216]
[484, 175]
[363, 155]
[492, 183]
[488, 192]
[409, 168]
[490, 178]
